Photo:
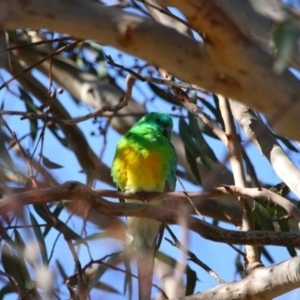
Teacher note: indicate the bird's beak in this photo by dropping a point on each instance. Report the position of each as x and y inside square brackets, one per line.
[167, 131]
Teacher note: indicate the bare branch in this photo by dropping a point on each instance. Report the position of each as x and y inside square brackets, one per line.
[261, 284]
[25, 70]
[94, 114]
[266, 195]
[259, 134]
[193, 257]
[237, 164]
[78, 192]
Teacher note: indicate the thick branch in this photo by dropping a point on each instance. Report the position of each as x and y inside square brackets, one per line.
[259, 134]
[78, 192]
[261, 284]
[254, 26]
[224, 211]
[227, 60]
[237, 165]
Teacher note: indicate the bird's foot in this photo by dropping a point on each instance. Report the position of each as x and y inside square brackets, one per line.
[143, 197]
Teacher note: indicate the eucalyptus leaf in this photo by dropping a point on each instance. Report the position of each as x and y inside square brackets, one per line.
[40, 239]
[30, 107]
[162, 93]
[106, 288]
[40, 210]
[191, 149]
[264, 218]
[285, 37]
[50, 164]
[191, 281]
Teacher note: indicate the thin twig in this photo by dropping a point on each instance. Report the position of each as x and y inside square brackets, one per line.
[26, 226]
[24, 154]
[36, 44]
[237, 250]
[99, 112]
[190, 200]
[192, 256]
[39, 62]
[101, 262]
[19, 289]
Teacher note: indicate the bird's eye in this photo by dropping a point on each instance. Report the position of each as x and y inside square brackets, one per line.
[157, 120]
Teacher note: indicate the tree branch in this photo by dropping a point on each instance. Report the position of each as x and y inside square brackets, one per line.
[237, 164]
[261, 284]
[227, 59]
[259, 134]
[78, 192]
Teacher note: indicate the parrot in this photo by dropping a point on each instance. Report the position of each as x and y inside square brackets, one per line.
[145, 161]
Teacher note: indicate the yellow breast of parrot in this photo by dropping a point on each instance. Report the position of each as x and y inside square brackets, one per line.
[139, 170]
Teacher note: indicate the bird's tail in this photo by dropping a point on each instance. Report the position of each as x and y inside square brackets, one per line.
[145, 262]
[145, 237]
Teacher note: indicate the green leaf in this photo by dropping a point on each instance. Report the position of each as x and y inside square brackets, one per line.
[50, 164]
[18, 240]
[13, 36]
[285, 40]
[185, 134]
[106, 288]
[40, 210]
[218, 114]
[101, 270]
[165, 258]
[207, 155]
[163, 94]
[68, 231]
[15, 266]
[191, 149]
[30, 107]
[79, 61]
[58, 209]
[61, 269]
[7, 289]
[171, 262]
[4, 153]
[281, 189]
[283, 224]
[284, 227]
[40, 238]
[266, 254]
[292, 251]
[263, 216]
[21, 245]
[239, 266]
[208, 105]
[9, 240]
[93, 237]
[98, 50]
[206, 130]
[286, 142]
[53, 128]
[191, 281]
